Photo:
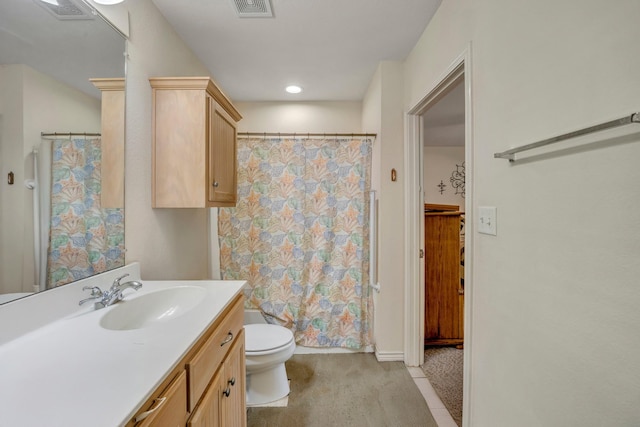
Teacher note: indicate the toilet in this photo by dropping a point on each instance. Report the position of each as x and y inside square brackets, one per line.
[267, 347]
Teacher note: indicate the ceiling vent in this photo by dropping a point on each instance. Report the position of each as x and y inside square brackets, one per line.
[253, 8]
[66, 9]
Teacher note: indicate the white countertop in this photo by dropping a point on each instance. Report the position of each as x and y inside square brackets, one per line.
[73, 372]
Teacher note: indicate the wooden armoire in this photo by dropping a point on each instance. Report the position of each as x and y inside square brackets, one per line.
[444, 286]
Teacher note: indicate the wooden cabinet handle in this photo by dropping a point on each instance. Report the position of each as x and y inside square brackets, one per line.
[227, 339]
[145, 414]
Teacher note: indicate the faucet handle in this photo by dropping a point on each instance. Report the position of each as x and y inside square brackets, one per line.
[116, 282]
[95, 291]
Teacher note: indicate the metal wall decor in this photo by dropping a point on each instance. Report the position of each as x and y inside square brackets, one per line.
[458, 179]
[441, 186]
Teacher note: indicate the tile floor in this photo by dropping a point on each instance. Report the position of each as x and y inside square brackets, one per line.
[437, 408]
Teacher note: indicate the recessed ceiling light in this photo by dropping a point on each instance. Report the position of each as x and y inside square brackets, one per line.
[293, 89]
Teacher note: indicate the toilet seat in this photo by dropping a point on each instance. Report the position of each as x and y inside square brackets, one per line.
[263, 339]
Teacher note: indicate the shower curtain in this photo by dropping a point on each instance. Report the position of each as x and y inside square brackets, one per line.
[85, 239]
[299, 235]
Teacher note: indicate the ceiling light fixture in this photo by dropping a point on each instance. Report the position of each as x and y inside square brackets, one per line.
[108, 2]
[293, 89]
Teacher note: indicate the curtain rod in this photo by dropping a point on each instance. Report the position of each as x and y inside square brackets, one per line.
[307, 134]
[69, 134]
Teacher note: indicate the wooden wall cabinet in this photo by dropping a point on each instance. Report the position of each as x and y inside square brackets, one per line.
[207, 388]
[194, 144]
[444, 292]
[112, 142]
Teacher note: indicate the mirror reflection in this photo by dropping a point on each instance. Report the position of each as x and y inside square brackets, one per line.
[61, 145]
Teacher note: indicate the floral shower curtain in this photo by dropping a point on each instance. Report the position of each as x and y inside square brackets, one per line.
[85, 239]
[300, 236]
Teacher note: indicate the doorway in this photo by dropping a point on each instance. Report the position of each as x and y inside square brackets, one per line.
[414, 232]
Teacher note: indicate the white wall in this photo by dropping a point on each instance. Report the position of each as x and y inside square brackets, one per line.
[439, 164]
[382, 109]
[554, 337]
[168, 243]
[33, 103]
[11, 196]
[311, 117]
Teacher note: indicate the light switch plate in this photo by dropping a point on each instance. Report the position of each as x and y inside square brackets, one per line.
[487, 220]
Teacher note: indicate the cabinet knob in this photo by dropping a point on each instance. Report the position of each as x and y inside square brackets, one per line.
[232, 381]
[215, 183]
[226, 392]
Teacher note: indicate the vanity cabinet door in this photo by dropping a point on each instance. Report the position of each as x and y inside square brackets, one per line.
[224, 402]
[170, 408]
[210, 357]
[208, 412]
[234, 396]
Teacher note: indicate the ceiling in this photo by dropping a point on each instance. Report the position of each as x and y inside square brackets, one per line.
[71, 51]
[331, 48]
[443, 123]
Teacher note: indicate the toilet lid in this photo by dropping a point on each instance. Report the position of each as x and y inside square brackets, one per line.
[264, 337]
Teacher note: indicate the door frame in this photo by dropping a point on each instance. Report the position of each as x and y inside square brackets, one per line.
[414, 314]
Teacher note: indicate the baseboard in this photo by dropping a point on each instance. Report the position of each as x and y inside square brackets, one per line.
[389, 356]
[330, 350]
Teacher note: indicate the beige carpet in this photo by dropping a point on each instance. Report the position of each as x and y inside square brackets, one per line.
[443, 368]
[346, 390]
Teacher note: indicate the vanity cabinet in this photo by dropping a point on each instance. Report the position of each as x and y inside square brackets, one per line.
[207, 388]
[194, 144]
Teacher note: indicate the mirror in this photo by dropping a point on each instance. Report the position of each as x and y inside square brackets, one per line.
[49, 51]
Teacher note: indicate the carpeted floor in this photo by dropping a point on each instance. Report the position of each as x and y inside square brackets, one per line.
[443, 367]
[350, 390]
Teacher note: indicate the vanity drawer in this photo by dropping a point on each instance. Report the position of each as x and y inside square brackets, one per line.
[169, 408]
[204, 364]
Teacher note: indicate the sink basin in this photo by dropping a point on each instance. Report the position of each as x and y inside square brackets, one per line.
[152, 308]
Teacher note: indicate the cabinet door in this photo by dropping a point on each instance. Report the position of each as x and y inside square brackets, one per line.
[222, 156]
[179, 149]
[234, 412]
[207, 414]
[170, 408]
[224, 401]
[112, 145]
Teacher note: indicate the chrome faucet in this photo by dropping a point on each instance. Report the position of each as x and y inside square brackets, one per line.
[113, 295]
